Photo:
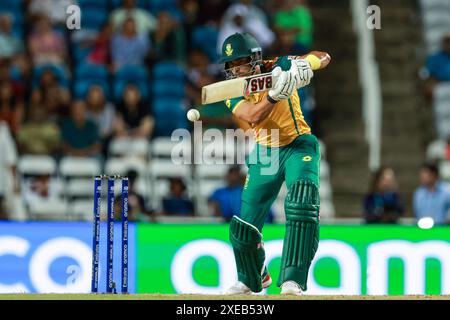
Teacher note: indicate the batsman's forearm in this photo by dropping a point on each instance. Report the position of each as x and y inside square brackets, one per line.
[254, 113]
[317, 59]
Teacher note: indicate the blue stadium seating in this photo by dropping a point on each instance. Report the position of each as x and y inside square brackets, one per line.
[11, 6]
[144, 4]
[205, 38]
[167, 105]
[131, 74]
[80, 53]
[164, 88]
[88, 71]
[170, 115]
[119, 87]
[168, 71]
[100, 4]
[59, 71]
[81, 88]
[93, 19]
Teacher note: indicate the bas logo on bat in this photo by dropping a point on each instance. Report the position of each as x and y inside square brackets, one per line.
[258, 83]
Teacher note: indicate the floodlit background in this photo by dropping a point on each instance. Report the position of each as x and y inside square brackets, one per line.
[99, 86]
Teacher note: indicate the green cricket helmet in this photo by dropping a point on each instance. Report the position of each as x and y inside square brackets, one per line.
[237, 46]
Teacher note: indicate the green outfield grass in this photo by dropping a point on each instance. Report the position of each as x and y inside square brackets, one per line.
[206, 297]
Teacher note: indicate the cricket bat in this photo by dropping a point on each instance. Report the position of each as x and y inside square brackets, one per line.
[239, 87]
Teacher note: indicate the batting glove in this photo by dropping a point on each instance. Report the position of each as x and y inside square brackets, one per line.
[284, 86]
[304, 72]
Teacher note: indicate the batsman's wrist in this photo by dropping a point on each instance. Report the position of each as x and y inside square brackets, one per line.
[271, 100]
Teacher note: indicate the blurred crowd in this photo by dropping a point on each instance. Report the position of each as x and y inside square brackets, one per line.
[130, 69]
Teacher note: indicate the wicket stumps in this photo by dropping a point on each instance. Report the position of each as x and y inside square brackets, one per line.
[110, 283]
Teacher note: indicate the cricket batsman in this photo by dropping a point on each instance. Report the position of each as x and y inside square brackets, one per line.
[279, 128]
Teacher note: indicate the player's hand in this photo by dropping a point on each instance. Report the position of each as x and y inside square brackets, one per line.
[304, 72]
[284, 84]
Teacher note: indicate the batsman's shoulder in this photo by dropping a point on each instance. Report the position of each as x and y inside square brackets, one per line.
[233, 103]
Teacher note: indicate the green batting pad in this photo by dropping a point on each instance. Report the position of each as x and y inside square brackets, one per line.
[248, 252]
[302, 232]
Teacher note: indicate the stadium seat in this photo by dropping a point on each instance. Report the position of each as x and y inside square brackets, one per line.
[94, 19]
[436, 150]
[93, 4]
[215, 172]
[162, 147]
[11, 5]
[89, 71]
[174, 89]
[324, 169]
[326, 210]
[165, 168]
[79, 188]
[59, 71]
[169, 71]
[79, 167]
[81, 209]
[36, 165]
[131, 74]
[80, 53]
[81, 88]
[48, 210]
[224, 150]
[441, 109]
[122, 165]
[171, 115]
[325, 190]
[205, 38]
[444, 170]
[119, 87]
[129, 147]
[143, 4]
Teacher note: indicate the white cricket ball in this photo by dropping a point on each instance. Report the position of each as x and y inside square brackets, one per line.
[193, 115]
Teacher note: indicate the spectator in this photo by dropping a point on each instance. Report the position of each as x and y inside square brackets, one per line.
[9, 44]
[285, 45]
[137, 210]
[190, 13]
[11, 109]
[129, 47]
[41, 189]
[100, 111]
[432, 197]
[245, 17]
[101, 51]
[11, 206]
[52, 95]
[46, 46]
[168, 40]
[438, 64]
[80, 134]
[145, 21]
[215, 10]
[382, 204]
[54, 9]
[226, 201]
[133, 117]
[18, 87]
[176, 203]
[294, 14]
[447, 150]
[199, 73]
[438, 67]
[39, 134]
